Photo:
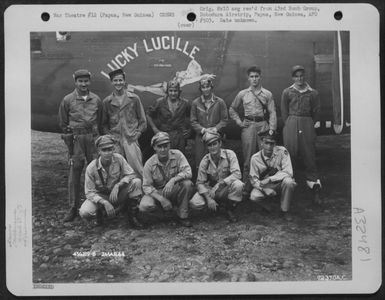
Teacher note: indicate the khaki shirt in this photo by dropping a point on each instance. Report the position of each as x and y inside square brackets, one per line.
[119, 171]
[280, 159]
[75, 112]
[209, 174]
[156, 175]
[123, 120]
[253, 107]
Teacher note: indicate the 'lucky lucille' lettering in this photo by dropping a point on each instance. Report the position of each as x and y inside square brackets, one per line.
[129, 53]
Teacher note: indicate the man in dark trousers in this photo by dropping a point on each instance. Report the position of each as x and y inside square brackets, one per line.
[80, 115]
[300, 107]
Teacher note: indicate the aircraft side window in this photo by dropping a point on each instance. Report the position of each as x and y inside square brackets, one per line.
[62, 36]
[36, 45]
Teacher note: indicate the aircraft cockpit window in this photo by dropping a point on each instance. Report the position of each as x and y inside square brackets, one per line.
[62, 36]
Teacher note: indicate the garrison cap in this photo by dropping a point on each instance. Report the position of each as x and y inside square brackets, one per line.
[104, 141]
[160, 138]
[206, 82]
[173, 83]
[211, 136]
[81, 73]
[114, 73]
[267, 136]
[297, 68]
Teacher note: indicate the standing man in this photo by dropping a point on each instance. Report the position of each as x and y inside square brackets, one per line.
[271, 172]
[124, 118]
[80, 115]
[167, 180]
[208, 112]
[300, 108]
[110, 185]
[259, 115]
[171, 114]
[219, 175]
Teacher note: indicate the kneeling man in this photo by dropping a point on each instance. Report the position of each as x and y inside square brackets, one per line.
[271, 172]
[167, 180]
[110, 185]
[219, 175]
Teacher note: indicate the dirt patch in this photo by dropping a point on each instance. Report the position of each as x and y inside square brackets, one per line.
[256, 248]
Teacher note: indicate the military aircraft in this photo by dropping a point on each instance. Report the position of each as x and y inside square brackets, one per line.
[152, 58]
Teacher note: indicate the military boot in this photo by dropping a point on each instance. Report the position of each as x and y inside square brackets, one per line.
[99, 217]
[133, 218]
[316, 194]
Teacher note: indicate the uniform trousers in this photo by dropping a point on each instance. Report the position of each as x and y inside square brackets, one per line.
[227, 197]
[179, 197]
[285, 187]
[299, 139]
[133, 155]
[83, 150]
[251, 142]
[128, 193]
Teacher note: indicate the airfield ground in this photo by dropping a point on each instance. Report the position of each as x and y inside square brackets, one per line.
[256, 248]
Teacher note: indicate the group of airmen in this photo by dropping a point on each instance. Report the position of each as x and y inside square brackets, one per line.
[105, 134]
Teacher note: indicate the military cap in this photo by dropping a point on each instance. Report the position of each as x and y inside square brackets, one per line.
[211, 136]
[268, 136]
[114, 73]
[297, 68]
[81, 73]
[173, 83]
[104, 141]
[206, 82]
[160, 138]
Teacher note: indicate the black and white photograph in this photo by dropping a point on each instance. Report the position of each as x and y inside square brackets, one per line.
[196, 156]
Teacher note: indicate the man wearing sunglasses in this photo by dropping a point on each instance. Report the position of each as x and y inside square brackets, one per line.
[218, 181]
[167, 180]
[271, 172]
[110, 185]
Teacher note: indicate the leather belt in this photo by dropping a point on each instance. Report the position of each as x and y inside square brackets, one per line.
[255, 119]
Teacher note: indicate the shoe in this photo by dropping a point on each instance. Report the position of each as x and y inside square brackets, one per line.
[184, 222]
[132, 218]
[286, 216]
[230, 216]
[71, 215]
[316, 194]
[99, 218]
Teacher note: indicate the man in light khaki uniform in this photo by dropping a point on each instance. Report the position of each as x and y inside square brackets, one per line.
[218, 181]
[271, 172]
[167, 180]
